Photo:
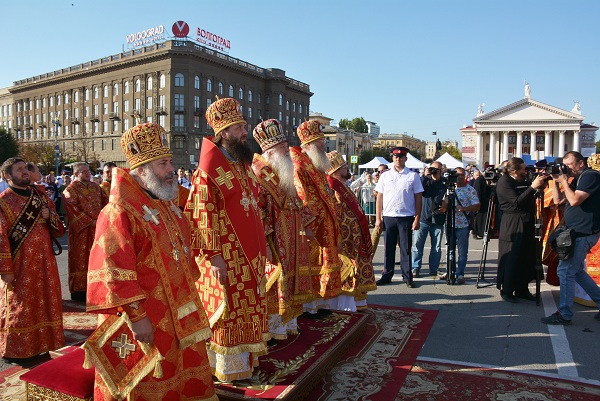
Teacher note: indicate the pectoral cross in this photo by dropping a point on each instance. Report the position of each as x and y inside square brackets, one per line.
[175, 254]
[245, 202]
[269, 176]
[29, 215]
[302, 233]
[150, 214]
[123, 346]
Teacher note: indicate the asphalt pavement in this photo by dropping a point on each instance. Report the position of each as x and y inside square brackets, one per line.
[475, 326]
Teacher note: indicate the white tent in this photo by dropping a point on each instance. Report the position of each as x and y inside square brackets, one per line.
[449, 161]
[374, 163]
[411, 162]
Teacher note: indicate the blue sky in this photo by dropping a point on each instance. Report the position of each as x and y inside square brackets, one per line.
[413, 67]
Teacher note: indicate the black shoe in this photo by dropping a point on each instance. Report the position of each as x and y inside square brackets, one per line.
[510, 298]
[557, 319]
[78, 296]
[416, 273]
[324, 312]
[525, 295]
[311, 316]
[383, 282]
[272, 342]
[410, 284]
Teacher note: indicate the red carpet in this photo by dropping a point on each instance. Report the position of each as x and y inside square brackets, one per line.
[78, 325]
[372, 366]
[449, 382]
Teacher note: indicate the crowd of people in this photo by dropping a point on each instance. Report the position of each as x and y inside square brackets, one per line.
[209, 266]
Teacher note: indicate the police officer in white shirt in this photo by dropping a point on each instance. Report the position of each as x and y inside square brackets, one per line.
[398, 209]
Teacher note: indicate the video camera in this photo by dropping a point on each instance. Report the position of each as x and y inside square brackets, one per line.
[492, 174]
[451, 176]
[433, 170]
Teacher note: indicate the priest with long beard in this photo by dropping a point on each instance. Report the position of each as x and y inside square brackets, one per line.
[228, 242]
[310, 167]
[286, 220]
[141, 266]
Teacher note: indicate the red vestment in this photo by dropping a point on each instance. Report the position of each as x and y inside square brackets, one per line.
[315, 192]
[356, 250]
[105, 185]
[141, 253]
[284, 219]
[226, 221]
[31, 312]
[83, 201]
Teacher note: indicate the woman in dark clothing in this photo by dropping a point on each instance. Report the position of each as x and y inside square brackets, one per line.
[516, 246]
[483, 193]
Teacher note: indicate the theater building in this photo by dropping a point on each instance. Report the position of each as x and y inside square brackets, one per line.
[528, 129]
[85, 108]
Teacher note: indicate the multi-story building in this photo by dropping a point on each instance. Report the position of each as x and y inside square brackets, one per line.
[431, 148]
[86, 107]
[345, 141]
[412, 143]
[373, 129]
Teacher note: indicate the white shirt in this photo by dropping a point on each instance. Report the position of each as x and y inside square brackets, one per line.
[399, 189]
[3, 185]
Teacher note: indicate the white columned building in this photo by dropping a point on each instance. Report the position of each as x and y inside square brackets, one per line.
[528, 129]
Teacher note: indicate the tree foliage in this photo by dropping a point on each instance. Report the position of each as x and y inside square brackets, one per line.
[41, 154]
[357, 124]
[452, 151]
[9, 147]
[598, 147]
[368, 155]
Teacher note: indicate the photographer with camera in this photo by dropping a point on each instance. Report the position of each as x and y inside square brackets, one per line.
[466, 203]
[432, 220]
[516, 245]
[582, 214]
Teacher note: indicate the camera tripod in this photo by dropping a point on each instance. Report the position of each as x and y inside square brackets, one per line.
[491, 212]
[539, 238]
[451, 235]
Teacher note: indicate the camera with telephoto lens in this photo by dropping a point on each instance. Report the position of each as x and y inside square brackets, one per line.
[492, 174]
[556, 168]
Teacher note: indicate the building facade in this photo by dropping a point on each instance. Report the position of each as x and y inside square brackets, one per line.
[527, 129]
[412, 143]
[85, 108]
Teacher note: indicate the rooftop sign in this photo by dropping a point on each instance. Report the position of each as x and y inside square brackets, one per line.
[146, 37]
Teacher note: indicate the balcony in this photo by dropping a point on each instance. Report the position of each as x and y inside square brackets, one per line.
[94, 118]
[161, 111]
[28, 126]
[179, 129]
[113, 116]
[179, 110]
[198, 112]
[42, 125]
[134, 113]
[74, 121]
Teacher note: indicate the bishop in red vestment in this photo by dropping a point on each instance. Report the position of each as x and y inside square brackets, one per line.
[286, 221]
[31, 302]
[310, 166]
[356, 248]
[141, 265]
[228, 242]
[83, 201]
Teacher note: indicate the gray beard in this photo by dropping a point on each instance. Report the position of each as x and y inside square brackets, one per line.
[319, 159]
[284, 167]
[159, 187]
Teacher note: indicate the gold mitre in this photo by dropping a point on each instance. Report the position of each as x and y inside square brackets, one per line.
[268, 134]
[337, 161]
[144, 143]
[594, 161]
[223, 114]
[310, 131]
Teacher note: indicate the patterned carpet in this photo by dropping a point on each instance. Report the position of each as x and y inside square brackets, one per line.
[78, 325]
[441, 381]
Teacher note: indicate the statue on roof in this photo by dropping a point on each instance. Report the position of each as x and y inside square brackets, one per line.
[480, 111]
[527, 90]
[576, 108]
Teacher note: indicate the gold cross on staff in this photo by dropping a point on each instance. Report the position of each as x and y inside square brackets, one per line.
[302, 233]
[30, 215]
[224, 178]
[123, 346]
[150, 214]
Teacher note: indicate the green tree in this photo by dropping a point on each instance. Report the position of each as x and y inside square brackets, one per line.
[598, 147]
[368, 155]
[9, 147]
[452, 151]
[357, 124]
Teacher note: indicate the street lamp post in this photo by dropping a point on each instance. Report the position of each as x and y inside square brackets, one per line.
[56, 124]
